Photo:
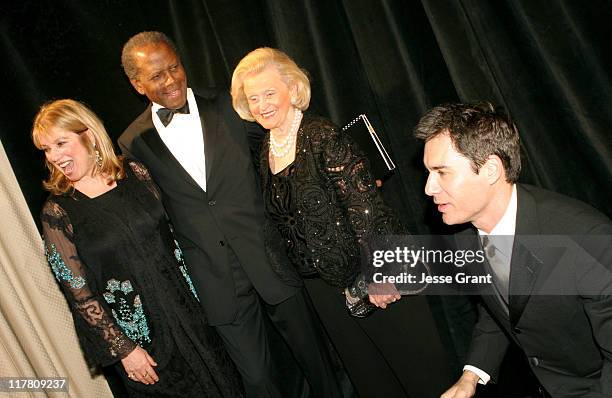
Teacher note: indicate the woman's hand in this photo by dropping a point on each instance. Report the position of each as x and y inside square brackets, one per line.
[139, 366]
[383, 294]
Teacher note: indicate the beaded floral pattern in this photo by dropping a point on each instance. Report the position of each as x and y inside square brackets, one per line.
[61, 271]
[183, 267]
[130, 318]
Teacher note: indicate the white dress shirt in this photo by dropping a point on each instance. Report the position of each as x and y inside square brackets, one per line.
[185, 139]
[504, 231]
[505, 227]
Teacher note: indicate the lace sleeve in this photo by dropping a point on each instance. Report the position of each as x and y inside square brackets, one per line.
[142, 173]
[348, 169]
[101, 339]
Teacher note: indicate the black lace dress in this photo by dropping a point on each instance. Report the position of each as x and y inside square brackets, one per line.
[319, 210]
[322, 206]
[125, 280]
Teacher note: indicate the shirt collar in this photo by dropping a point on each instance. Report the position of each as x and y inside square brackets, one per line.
[190, 99]
[504, 231]
[507, 224]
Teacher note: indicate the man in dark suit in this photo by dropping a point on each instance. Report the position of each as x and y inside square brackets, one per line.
[197, 151]
[550, 257]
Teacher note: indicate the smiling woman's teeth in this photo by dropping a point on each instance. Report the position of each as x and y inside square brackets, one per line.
[65, 165]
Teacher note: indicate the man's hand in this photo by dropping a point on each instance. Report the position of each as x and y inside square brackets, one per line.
[465, 387]
[383, 294]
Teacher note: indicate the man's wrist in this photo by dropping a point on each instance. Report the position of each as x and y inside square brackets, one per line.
[473, 373]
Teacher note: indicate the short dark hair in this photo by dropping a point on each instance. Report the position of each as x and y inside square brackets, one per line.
[140, 40]
[476, 131]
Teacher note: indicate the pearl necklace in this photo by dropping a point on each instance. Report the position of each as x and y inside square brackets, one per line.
[280, 150]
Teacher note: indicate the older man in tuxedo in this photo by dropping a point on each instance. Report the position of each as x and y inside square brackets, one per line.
[196, 148]
[557, 310]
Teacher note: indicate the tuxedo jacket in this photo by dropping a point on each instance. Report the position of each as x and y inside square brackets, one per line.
[560, 304]
[217, 226]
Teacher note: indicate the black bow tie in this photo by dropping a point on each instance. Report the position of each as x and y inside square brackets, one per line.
[166, 115]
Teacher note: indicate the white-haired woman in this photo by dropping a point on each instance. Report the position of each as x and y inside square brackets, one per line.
[319, 193]
[321, 204]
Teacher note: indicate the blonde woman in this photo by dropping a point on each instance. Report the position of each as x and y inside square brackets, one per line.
[113, 253]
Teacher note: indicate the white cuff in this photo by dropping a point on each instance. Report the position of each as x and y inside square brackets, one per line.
[484, 376]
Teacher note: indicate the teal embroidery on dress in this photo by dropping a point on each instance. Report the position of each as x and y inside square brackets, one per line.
[133, 323]
[183, 267]
[189, 282]
[109, 297]
[126, 287]
[112, 285]
[61, 271]
[130, 318]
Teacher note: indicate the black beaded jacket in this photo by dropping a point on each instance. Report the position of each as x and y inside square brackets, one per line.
[335, 202]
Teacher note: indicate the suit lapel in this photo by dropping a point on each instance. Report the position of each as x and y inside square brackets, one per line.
[469, 239]
[151, 137]
[210, 128]
[524, 271]
[525, 265]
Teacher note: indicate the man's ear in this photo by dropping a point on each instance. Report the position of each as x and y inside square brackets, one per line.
[136, 84]
[493, 169]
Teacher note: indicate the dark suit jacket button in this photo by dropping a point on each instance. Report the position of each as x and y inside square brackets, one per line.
[212, 202]
[221, 243]
[517, 331]
[534, 361]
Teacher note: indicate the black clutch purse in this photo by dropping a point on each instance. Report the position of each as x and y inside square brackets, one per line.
[363, 133]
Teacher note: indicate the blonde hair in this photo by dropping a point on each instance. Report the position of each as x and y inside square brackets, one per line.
[255, 62]
[74, 116]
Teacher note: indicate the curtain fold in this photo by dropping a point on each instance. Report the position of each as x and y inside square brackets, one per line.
[547, 65]
[37, 337]
[548, 62]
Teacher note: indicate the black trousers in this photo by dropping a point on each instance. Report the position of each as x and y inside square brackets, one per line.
[393, 353]
[248, 343]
